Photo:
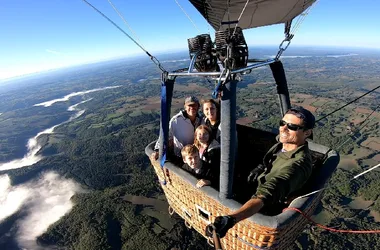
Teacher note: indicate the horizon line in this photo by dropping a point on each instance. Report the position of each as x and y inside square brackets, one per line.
[139, 54]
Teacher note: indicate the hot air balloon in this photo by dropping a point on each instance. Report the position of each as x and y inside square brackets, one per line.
[224, 61]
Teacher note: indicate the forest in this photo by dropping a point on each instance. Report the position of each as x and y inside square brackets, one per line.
[103, 150]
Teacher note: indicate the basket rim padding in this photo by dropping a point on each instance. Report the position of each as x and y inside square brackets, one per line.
[277, 221]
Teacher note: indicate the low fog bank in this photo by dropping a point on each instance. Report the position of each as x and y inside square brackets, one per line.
[11, 198]
[44, 201]
[67, 97]
[33, 147]
[31, 156]
[74, 107]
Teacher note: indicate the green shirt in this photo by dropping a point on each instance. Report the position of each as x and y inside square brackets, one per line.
[285, 173]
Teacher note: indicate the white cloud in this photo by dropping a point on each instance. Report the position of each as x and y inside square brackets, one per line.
[74, 107]
[44, 201]
[31, 156]
[33, 147]
[67, 97]
[11, 198]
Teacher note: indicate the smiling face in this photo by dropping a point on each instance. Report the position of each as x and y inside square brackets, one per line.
[209, 109]
[192, 160]
[191, 109]
[291, 137]
[203, 136]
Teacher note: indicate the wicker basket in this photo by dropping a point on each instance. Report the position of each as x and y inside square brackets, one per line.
[199, 207]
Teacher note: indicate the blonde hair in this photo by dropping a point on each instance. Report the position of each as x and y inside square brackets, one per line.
[205, 127]
[189, 150]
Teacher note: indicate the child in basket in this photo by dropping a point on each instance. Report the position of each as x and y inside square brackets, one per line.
[194, 165]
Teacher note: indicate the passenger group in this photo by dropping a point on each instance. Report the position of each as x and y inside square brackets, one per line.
[194, 144]
[192, 133]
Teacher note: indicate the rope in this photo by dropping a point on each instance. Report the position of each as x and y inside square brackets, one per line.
[206, 13]
[368, 170]
[228, 14]
[154, 59]
[241, 14]
[363, 124]
[347, 104]
[319, 190]
[187, 16]
[291, 31]
[126, 23]
[301, 18]
[329, 228]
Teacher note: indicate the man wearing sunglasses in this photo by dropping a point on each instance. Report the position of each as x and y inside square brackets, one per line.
[286, 168]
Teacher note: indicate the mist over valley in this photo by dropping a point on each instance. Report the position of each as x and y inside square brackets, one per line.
[74, 174]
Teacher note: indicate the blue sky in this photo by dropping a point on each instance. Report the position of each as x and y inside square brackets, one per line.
[40, 35]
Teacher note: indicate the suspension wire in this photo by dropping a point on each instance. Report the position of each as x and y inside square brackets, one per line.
[125, 22]
[298, 23]
[241, 14]
[363, 122]
[368, 170]
[228, 14]
[153, 58]
[362, 125]
[212, 9]
[187, 16]
[329, 228]
[339, 184]
[348, 139]
[291, 31]
[301, 18]
[348, 103]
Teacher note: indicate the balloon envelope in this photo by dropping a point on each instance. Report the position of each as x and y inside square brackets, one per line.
[257, 12]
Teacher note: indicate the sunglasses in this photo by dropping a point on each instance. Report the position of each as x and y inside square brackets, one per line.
[291, 126]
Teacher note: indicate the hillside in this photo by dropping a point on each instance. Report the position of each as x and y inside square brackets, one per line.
[121, 205]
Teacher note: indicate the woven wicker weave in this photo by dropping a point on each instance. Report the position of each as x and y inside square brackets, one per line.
[198, 210]
[199, 207]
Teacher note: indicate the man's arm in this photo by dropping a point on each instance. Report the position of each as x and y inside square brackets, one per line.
[223, 223]
[250, 208]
